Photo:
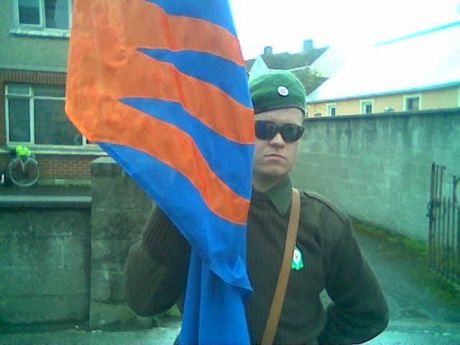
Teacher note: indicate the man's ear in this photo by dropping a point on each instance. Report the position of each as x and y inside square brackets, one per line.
[300, 144]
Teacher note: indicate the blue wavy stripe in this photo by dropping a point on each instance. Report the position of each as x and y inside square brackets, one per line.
[222, 73]
[211, 144]
[214, 238]
[214, 11]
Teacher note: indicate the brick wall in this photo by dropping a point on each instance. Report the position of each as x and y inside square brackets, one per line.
[65, 166]
[3, 162]
[59, 166]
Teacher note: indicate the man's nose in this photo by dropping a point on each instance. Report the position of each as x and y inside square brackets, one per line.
[277, 140]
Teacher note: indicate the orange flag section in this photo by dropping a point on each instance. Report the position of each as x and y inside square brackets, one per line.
[104, 68]
[104, 43]
[183, 33]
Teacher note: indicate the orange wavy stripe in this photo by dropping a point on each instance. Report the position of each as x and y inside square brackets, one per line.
[138, 19]
[122, 71]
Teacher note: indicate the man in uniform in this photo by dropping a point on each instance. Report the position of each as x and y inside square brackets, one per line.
[326, 255]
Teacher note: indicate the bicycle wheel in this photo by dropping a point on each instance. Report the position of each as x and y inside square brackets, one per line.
[24, 173]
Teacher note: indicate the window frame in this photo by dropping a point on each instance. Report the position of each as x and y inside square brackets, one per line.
[363, 103]
[41, 29]
[31, 97]
[412, 96]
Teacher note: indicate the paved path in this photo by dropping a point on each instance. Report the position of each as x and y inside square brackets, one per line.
[423, 308]
[421, 312]
[156, 336]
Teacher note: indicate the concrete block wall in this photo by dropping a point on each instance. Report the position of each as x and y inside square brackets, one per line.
[62, 259]
[119, 211]
[45, 263]
[377, 168]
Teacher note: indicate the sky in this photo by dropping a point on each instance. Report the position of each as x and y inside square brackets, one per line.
[284, 25]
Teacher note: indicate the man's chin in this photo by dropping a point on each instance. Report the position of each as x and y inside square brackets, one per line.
[274, 173]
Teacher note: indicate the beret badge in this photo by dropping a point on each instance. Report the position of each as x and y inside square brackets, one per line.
[283, 91]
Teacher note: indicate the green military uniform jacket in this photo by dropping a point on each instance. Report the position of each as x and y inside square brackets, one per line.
[327, 258]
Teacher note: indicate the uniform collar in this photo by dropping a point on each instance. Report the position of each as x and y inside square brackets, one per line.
[281, 195]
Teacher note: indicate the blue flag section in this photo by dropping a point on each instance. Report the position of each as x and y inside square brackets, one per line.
[161, 85]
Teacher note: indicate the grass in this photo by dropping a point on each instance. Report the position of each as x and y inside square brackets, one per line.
[415, 251]
[413, 246]
[173, 314]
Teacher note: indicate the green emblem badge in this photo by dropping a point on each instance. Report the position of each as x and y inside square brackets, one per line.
[297, 261]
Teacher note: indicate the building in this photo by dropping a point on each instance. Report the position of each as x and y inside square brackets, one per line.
[34, 36]
[415, 72]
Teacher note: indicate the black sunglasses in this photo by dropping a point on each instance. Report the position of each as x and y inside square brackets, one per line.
[267, 130]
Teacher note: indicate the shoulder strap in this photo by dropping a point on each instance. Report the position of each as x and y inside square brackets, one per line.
[281, 285]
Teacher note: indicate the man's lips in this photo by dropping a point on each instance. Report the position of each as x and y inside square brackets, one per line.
[274, 156]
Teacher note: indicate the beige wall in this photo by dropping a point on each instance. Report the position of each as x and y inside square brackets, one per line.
[394, 101]
[437, 99]
[350, 107]
[317, 108]
[440, 99]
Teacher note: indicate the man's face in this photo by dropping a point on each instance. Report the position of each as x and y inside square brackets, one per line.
[274, 158]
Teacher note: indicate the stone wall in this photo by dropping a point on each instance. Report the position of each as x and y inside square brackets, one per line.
[45, 262]
[377, 168]
[62, 257]
[119, 211]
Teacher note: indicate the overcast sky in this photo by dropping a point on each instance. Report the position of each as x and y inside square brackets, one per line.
[285, 24]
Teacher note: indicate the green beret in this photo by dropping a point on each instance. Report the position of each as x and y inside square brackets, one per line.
[277, 90]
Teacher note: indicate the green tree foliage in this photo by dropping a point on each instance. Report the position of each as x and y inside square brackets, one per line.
[309, 79]
[289, 61]
[298, 64]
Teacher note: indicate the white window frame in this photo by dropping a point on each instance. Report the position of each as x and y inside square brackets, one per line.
[407, 97]
[40, 29]
[329, 107]
[31, 97]
[363, 103]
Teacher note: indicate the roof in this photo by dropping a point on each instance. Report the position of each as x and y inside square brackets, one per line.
[287, 60]
[334, 58]
[258, 67]
[422, 61]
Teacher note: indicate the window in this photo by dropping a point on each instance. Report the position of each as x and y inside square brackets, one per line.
[35, 115]
[366, 106]
[412, 103]
[331, 109]
[45, 14]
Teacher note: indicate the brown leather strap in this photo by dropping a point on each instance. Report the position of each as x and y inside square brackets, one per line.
[281, 285]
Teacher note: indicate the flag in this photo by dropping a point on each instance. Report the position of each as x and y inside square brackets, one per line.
[161, 86]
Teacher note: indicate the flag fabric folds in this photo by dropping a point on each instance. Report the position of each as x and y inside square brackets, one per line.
[161, 86]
